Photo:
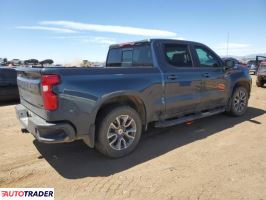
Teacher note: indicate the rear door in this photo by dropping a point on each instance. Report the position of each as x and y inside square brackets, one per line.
[182, 83]
[214, 82]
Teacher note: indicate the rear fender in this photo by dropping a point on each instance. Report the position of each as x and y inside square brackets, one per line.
[90, 140]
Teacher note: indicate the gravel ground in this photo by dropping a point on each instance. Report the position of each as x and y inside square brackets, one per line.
[219, 157]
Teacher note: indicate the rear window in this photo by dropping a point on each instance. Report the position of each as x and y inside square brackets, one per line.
[139, 55]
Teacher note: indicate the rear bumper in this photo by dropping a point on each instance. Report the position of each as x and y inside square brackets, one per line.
[42, 130]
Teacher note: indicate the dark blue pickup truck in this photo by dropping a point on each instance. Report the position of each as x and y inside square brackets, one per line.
[158, 81]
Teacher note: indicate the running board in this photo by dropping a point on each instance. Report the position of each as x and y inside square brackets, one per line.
[166, 123]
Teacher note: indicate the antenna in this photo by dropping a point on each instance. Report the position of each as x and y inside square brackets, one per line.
[227, 44]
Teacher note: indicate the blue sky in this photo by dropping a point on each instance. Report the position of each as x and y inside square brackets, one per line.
[70, 30]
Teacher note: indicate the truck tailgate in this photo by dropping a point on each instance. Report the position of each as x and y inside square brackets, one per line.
[29, 85]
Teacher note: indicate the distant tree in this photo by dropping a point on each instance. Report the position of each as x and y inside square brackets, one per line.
[31, 62]
[26, 62]
[34, 61]
[47, 62]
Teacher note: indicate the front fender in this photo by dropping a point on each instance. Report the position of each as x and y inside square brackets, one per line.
[239, 76]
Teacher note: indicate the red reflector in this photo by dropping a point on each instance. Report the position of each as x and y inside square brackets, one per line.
[50, 101]
[128, 44]
[189, 122]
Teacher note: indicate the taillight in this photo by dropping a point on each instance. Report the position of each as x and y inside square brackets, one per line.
[50, 101]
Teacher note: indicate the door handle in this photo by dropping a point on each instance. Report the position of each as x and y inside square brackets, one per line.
[206, 75]
[171, 77]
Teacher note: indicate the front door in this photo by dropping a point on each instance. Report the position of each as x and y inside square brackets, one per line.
[214, 84]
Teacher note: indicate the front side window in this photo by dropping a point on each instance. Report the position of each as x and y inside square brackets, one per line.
[138, 55]
[177, 55]
[206, 58]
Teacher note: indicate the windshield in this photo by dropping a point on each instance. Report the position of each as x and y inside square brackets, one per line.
[138, 55]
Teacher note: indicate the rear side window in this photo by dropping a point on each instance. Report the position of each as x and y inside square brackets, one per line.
[127, 56]
[139, 55]
[178, 55]
[206, 58]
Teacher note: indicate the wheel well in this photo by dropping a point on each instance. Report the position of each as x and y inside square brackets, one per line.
[132, 101]
[243, 84]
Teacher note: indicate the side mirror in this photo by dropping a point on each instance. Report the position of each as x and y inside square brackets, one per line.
[228, 64]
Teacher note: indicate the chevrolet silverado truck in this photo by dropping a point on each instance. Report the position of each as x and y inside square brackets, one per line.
[159, 81]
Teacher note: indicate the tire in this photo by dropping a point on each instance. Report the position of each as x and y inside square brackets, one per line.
[259, 83]
[239, 102]
[123, 138]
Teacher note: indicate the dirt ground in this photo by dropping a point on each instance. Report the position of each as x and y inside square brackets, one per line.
[219, 157]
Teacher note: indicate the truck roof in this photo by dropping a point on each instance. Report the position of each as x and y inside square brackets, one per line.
[128, 44]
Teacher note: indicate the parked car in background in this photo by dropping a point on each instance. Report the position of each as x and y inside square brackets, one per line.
[8, 84]
[252, 67]
[46, 63]
[3, 62]
[261, 74]
[254, 64]
[31, 62]
[163, 82]
[16, 62]
[250, 62]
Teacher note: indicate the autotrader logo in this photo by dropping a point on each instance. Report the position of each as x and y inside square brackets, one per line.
[27, 193]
